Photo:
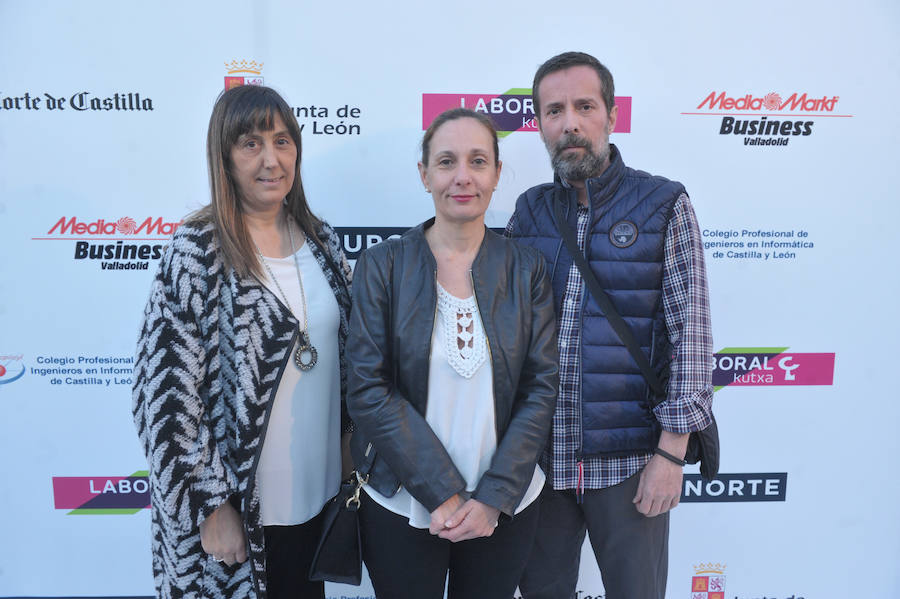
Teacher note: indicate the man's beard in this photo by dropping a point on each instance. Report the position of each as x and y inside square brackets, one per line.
[575, 167]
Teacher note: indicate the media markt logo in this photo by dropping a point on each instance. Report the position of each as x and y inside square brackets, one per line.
[708, 581]
[105, 495]
[768, 120]
[243, 73]
[510, 111]
[770, 366]
[124, 243]
[12, 368]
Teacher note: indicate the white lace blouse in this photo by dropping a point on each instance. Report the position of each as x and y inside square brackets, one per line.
[460, 404]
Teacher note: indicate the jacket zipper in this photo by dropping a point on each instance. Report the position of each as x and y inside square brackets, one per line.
[431, 341]
[433, 322]
[490, 354]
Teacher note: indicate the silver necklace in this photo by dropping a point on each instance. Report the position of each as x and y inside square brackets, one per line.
[305, 347]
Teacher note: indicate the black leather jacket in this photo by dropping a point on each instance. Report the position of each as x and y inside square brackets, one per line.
[394, 308]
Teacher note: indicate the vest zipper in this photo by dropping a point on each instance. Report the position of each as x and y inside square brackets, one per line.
[579, 485]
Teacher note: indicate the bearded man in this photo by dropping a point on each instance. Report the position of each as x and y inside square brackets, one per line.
[613, 461]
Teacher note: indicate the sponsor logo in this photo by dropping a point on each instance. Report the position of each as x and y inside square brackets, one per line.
[735, 488]
[345, 126]
[106, 495]
[623, 234]
[769, 597]
[510, 111]
[80, 102]
[356, 240]
[80, 370]
[770, 366]
[150, 227]
[12, 368]
[116, 244]
[346, 117]
[579, 594]
[771, 102]
[708, 581]
[242, 72]
[769, 120]
[756, 244]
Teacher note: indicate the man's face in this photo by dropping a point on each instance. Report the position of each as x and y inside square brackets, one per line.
[574, 122]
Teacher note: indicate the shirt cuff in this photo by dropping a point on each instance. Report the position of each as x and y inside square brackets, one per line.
[686, 414]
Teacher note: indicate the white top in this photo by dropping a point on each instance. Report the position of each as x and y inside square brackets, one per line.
[300, 466]
[460, 404]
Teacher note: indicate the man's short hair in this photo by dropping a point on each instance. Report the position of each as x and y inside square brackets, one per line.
[566, 60]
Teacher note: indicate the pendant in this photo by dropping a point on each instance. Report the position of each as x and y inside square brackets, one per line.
[305, 348]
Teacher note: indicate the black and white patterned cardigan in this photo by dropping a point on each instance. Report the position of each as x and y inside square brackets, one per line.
[211, 352]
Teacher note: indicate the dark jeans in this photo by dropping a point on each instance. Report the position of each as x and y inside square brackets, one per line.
[410, 563]
[289, 553]
[632, 550]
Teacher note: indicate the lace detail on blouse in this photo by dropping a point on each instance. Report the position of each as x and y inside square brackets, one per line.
[466, 345]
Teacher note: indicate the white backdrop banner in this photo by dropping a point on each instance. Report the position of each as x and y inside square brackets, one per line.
[780, 120]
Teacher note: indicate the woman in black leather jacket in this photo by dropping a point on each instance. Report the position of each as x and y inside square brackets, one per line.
[452, 384]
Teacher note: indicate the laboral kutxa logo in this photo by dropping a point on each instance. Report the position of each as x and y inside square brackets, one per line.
[102, 494]
[768, 366]
[510, 111]
[770, 119]
[12, 368]
[117, 244]
[243, 72]
[708, 581]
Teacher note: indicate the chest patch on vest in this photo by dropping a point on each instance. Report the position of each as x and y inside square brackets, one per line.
[623, 234]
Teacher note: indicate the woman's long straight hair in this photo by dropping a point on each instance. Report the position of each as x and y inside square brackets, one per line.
[238, 111]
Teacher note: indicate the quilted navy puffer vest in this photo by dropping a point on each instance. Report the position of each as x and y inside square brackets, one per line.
[629, 214]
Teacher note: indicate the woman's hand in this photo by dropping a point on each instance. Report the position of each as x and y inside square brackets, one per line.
[222, 535]
[442, 514]
[471, 521]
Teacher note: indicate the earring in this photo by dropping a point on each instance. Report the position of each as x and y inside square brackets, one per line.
[427, 190]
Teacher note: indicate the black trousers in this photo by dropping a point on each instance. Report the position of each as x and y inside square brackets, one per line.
[410, 563]
[632, 550]
[289, 553]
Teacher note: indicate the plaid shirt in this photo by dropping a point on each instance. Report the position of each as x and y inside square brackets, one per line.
[688, 404]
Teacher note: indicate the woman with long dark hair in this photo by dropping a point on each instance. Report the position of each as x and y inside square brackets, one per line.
[239, 376]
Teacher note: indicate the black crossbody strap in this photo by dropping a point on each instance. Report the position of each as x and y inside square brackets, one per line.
[615, 320]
